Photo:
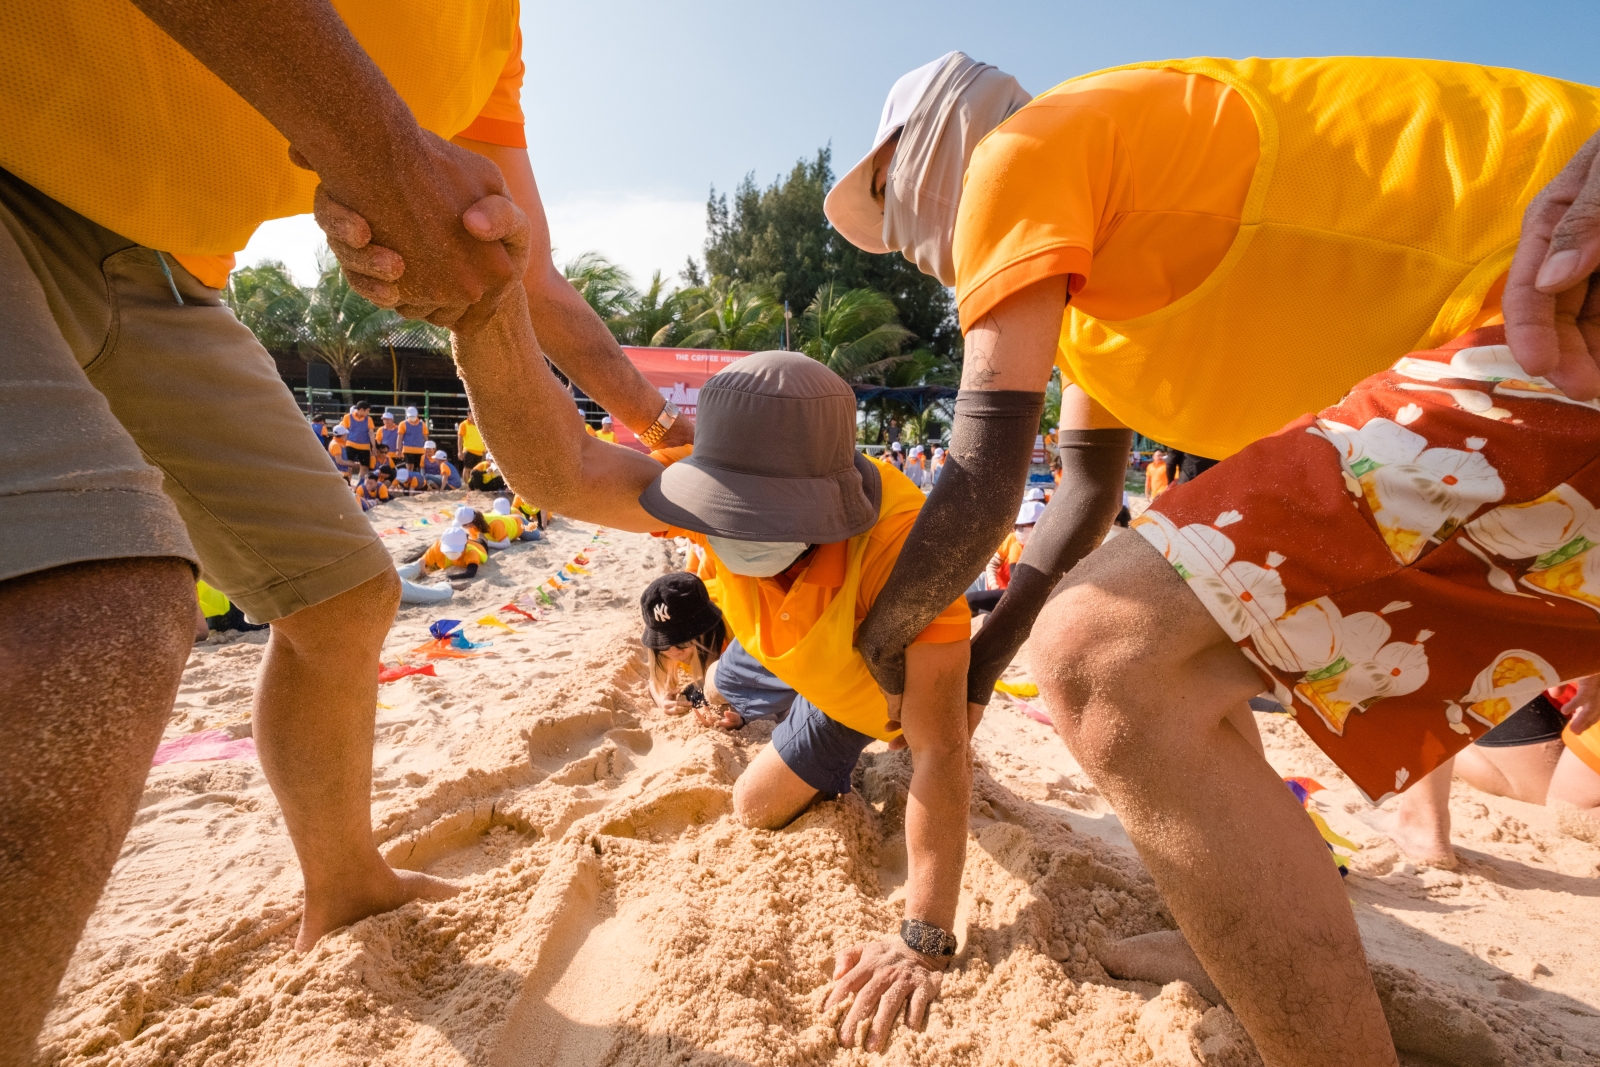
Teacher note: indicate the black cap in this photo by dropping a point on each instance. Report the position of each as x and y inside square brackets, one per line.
[363, 404]
[677, 609]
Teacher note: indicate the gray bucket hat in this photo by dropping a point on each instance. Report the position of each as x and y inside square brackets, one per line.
[774, 458]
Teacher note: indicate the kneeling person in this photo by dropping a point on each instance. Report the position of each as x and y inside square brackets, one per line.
[800, 533]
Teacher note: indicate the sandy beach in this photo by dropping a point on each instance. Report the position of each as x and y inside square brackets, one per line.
[612, 912]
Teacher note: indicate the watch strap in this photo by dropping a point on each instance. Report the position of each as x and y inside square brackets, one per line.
[928, 939]
[653, 433]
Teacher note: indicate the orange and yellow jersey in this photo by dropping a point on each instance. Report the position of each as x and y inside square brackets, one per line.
[504, 527]
[435, 559]
[104, 112]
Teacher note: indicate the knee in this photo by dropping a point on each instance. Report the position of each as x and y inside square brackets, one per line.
[1081, 649]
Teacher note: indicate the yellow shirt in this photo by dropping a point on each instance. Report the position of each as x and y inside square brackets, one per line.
[469, 438]
[102, 111]
[1245, 240]
[435, 559]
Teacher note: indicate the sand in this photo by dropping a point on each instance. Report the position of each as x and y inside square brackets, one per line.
[613, 913]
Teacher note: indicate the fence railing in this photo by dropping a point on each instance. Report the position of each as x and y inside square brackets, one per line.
[441, 410]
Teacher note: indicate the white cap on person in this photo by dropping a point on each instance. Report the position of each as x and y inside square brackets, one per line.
[605, 420]
[1033, 494]
[850, 205]
[440, 454]
[411, 413]
[453, 541]
[897, 447]
[1030, 512]
[465, 514]
[340, 431]
[502, 506]
[429, 444]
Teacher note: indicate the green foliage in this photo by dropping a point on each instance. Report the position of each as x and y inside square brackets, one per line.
[266, 299]
[729, 314]
[655, 318]
[778, 238]
[341, 327]
[1051, 418]
[855, 333]
[604, 286]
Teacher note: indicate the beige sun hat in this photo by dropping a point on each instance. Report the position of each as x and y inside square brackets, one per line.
[774, 458]
[850, 205]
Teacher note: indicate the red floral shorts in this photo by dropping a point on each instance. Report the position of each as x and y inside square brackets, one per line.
[1410, 566]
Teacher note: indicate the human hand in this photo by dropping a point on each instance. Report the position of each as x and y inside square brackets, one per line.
[718, 716]
[421, 241]
[1552, 304]
[885, 976]
[1584, 707]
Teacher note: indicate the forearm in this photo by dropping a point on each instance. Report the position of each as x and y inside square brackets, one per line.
[969, 512]
[1072, 526]
[527, 419]
[296, 63]
[582, 346]
[936, 834]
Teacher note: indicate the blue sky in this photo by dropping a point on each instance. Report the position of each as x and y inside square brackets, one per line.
[636, 109]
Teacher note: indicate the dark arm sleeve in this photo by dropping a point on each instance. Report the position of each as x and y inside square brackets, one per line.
[969, 512]
[1093, 465]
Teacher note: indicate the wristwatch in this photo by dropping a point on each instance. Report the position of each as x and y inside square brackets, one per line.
[653, 433]
[927, 939]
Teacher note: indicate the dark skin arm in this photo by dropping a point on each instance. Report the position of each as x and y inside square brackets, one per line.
[296, 63]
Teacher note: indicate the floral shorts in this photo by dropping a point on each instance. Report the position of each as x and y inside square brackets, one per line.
[1410, 566]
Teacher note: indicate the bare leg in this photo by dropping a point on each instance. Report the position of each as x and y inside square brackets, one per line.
[768, 795]
[1576, 787]
[1521, 773]
[90, 658]
[1141, 681]
[314, 712]
[1421, 823]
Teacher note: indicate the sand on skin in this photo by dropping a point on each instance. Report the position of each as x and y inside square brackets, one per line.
[613, 913]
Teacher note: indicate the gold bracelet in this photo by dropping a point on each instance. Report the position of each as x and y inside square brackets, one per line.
[653, 433]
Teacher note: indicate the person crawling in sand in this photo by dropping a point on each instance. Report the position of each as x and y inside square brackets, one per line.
[799, 532]
[684, 635]
[507, 525]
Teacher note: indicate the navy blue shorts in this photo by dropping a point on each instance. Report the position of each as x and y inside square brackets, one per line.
[821, 751]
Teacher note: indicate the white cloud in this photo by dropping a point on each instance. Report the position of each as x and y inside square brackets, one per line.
[641, 233]
[294, 241]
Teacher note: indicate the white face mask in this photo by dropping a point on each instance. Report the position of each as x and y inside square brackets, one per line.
[1023, 533]
[756, 559]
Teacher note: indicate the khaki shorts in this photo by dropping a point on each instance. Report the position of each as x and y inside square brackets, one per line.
[136, 427]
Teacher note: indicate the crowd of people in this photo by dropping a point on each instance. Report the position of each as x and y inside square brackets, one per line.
[1388, 533]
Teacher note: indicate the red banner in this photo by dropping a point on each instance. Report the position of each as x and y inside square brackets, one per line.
[678, 373]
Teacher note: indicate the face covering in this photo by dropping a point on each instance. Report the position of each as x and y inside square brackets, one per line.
[1023, 533]
[756, 559]
[963, 103]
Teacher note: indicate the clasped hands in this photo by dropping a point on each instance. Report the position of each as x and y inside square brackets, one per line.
[442, 241]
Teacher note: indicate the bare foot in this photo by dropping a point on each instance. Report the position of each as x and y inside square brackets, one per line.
[1161, 957]
[389, 889]
[1421, 836]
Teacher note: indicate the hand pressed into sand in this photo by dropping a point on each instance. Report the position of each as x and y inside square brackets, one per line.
[885, 976]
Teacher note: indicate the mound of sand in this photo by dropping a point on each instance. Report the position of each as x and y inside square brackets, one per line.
[613, 913]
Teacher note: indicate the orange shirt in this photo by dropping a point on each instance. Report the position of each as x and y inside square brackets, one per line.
[792, 602]
[1156, 477]
[500, 122]
[435, 559]
[1132, 182]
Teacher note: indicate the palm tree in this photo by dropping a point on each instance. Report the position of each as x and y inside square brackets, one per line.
[605, 286]
[341, 327]
[855, 333]
[266, 299]
[655, 320]
[727, 314]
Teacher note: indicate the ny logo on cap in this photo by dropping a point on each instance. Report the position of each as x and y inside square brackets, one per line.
[660, 612]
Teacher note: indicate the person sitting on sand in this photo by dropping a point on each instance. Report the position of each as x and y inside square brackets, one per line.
[684, 635]
[372, 492]
[406, 482]
[1545, 753]
[486, 477]
[505, 526]
[382, 461]
[437, 472]
[800, 529]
